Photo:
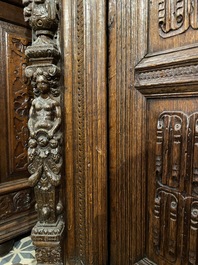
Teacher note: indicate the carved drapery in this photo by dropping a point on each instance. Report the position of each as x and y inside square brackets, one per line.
[177, 16]
[44, 148]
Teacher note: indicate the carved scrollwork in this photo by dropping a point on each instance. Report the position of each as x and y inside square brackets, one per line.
[20, 100]
[16, 202]
[45, 142]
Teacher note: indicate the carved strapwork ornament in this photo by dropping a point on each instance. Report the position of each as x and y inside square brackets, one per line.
[177, 16]
[45, 142]
[175, 210]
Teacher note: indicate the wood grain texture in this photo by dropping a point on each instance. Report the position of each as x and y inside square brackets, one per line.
[12, 13]
[126, 131]
[148, 75]
[17, 201]
[86, 130]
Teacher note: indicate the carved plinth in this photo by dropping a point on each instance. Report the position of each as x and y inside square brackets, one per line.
[47, 239]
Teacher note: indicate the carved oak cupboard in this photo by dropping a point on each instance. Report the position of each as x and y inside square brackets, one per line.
[129, 119]
[17, 214]
[153, 108]
[131, 110]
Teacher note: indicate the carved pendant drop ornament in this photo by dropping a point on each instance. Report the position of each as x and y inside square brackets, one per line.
[45, 142]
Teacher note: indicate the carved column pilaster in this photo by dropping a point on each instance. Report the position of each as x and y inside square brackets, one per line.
[45, 143]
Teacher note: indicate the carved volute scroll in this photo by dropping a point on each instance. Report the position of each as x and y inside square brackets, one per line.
[177, 16]
[45, 151]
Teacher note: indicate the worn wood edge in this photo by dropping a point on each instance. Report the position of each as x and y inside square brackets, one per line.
[16, 185]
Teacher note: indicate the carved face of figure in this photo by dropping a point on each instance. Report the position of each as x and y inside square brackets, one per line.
[42, 84]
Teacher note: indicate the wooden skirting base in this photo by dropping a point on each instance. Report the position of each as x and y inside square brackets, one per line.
[47, 239]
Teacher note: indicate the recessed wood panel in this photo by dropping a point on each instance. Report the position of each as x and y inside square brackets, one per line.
[15, 100]
[172, 181]
[18, 102]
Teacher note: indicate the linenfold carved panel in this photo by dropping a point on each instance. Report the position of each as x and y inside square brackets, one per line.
[177, 16]
[19, 102]
[176, 200]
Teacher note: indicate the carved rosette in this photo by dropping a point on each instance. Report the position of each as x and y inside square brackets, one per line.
[45, 142]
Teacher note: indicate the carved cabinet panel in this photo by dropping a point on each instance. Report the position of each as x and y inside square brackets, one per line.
[153, 132]
[172, 186]
[17, 214]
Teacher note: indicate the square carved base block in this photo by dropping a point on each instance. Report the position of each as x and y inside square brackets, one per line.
[47, 239]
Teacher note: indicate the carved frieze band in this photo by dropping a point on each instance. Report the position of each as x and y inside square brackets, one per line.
[15, 202]
[45, 142]
[166, 76]
[177, 16]
[175, 225]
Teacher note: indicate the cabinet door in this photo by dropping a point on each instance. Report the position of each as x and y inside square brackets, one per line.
[17, 213]
[153, 106]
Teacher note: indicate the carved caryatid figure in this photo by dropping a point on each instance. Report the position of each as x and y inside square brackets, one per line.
[45, 112]
[44, 145]
[44, 150]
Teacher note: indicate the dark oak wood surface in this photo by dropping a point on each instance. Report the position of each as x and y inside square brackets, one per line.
[152, 132]
[17, 214]
[84, 24]
[130, 130]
